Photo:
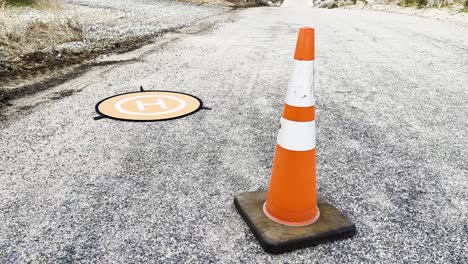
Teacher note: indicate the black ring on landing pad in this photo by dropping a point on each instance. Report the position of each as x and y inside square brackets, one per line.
[146, 91]
[276, 238]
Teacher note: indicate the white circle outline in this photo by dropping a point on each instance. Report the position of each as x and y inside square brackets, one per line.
[119, 107]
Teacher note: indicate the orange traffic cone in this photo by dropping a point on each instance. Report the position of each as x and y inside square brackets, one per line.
[292, 197]
[281, 219]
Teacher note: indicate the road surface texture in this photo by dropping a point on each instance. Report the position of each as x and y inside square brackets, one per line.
[113, 19]
[392, 136]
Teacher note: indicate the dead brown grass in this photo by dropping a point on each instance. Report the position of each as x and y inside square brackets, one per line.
[54, 5]
[21, 35]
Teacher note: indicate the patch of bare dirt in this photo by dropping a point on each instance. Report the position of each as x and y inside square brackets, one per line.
[41, 70]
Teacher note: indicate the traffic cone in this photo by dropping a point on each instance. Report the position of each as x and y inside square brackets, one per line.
[291, 215]
[292, 197]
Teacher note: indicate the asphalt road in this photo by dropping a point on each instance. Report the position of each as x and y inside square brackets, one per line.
[392, 135]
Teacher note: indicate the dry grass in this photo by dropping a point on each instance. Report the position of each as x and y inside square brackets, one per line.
[22, 34]
[54, 5]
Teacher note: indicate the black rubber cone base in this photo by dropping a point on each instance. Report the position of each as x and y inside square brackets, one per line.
[276, 238]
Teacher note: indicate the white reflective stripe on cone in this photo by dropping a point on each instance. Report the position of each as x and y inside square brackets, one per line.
[296, 136]
[299, 87]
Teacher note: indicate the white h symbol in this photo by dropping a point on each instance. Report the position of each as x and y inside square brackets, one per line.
[141, 105]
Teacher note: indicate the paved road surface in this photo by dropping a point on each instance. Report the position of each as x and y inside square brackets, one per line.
[392, 136]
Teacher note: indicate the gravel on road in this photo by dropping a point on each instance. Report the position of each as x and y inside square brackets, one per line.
[392, 136]
[47, 51]
[120, 19]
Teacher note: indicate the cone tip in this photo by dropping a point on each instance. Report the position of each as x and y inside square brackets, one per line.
[305, 48]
